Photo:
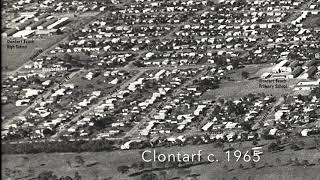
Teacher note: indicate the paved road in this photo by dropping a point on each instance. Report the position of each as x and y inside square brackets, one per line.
[134, 68]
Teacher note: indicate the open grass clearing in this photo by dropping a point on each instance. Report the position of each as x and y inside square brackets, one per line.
[106, 163]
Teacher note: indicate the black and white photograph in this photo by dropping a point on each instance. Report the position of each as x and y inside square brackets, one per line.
[160, 89]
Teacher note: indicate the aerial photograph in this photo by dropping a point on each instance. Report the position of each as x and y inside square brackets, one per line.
[160, 89]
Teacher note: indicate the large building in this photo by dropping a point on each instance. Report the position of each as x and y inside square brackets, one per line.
[278, 67]
[308, 73]
[307, 85]
[23, 33]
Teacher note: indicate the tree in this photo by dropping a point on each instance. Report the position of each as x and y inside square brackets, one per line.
[103, 122]
[241, 166]
[254, 142]
[301, 143]
[245, 74]
[296, 162]
[295, 147]
[79, 160]
[235, 63]
[221, 100]
[246, 125]
[77, 176]
[241, 3]
[59, 31]
[208, 84]
[135, 165]
[141, 165]
[305, 163]
[66, 178]
[68, 163]
[139, 63]
[107, 178]
[316, 92]
[219, 143]
[225, 167]
[48, 132]
[273, 147]
[123, 169]
[149, 176]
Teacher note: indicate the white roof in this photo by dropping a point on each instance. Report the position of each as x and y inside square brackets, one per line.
[23, 33]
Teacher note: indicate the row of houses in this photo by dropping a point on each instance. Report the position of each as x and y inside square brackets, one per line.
[123, 114]
[47, 116]
[299, 113]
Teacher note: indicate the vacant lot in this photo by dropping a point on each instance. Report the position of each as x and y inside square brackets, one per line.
[238, 86]
[16, 57]
[313, 21]
[101, 165]
[10, 110]
[241, 88]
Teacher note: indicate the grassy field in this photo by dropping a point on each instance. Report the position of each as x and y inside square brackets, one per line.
[14, 58]
[10, 110]
[312, 22]
[100, 165]
[239, 86]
